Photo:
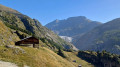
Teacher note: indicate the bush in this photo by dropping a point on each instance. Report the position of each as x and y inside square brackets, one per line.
[61, 53]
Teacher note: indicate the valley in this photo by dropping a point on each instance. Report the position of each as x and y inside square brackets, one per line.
[76, 41]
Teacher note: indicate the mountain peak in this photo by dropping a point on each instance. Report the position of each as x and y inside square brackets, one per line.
[56, 20]
[79, 17]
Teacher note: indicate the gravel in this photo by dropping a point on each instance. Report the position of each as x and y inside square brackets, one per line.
[7, 64]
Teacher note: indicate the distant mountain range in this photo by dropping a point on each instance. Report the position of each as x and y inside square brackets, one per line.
[73, 27]
[89, 35]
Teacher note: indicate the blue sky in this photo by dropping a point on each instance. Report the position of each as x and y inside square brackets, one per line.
[48, 10]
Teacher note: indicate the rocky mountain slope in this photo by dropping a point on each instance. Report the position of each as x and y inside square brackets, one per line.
[103, 37]
[17, 21]
[73, 27]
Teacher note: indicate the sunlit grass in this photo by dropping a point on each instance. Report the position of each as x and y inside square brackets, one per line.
[42, 57]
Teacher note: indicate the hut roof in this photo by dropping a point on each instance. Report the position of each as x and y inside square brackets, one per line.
[28, 38]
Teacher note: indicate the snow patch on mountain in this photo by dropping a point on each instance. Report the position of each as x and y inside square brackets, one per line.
[66, 38]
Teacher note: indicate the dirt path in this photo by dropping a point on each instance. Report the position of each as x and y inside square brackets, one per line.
[7, 64]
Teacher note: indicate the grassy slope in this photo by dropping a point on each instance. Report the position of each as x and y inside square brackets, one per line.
[42, 57]
[73, 56]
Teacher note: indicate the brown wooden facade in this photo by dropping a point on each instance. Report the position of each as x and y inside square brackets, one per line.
[29, 40]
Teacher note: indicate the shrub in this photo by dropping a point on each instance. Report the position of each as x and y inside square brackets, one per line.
[61, 53]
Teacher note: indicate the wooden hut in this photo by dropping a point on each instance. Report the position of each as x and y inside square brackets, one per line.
[28, 40]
